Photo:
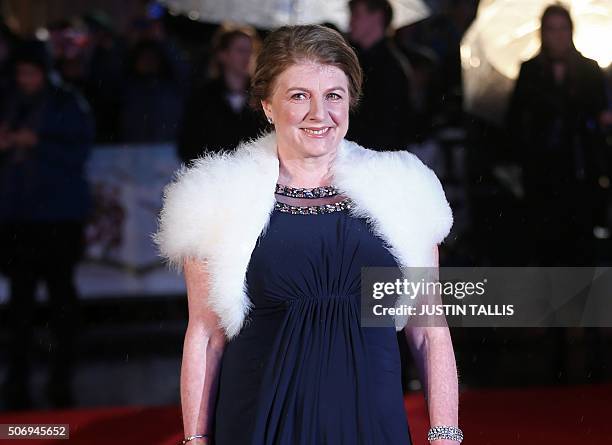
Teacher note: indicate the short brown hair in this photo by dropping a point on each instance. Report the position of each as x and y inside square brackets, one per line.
[289, 45]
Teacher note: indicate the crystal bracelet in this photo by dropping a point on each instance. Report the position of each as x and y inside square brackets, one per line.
[445, 432]
[195, 436]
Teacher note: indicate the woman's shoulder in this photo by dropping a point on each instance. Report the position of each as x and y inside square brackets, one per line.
[218, 174]
[209, 195]
[388, 166]
[396, 185]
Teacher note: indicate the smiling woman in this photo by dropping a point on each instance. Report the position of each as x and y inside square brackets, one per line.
[309, 107]
[272, 239]
[306, 81]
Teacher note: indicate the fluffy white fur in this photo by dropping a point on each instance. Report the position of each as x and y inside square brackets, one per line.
[216, 209]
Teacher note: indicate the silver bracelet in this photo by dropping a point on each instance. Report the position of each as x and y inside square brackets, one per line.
[195, 436]
[445, 432]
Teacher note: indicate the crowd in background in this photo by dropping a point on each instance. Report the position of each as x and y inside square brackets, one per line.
[167, 79]
[137, 81]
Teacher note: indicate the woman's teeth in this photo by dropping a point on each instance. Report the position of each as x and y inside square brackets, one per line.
[316, 132]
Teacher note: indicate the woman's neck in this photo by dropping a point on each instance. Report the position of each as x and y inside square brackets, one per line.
[296, 170]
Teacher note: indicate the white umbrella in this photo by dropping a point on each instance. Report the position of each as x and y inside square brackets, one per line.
[507, 32]
[269, 14]
[407, 12]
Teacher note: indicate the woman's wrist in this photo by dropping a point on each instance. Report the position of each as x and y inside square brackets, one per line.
[196, 439]
[202, 441]
[445, 435]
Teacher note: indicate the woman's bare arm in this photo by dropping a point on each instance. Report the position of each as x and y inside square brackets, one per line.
[202, 351]
[432, 348]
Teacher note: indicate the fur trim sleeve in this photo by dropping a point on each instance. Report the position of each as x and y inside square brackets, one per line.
[435, 209]
[401, 197]
[186, 224]
[215, 210]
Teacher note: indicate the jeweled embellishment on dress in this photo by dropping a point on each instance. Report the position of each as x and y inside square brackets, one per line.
[308, 193]
[345, 204]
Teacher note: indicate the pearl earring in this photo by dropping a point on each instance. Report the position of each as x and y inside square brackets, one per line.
[270, 120]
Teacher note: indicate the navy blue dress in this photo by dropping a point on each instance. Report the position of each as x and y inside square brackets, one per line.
[303, 371]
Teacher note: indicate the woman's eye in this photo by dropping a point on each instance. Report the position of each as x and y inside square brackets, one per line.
[334, 96]
[299, 96]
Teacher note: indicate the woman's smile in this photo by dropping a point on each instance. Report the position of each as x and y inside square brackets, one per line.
[316, 132]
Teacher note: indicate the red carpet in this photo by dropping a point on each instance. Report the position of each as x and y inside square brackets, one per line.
[562, 416]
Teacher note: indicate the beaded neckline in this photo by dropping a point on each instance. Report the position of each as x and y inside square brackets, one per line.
[339, 206]
[308, 193]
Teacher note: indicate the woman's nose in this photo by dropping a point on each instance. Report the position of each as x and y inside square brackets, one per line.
[317, 109]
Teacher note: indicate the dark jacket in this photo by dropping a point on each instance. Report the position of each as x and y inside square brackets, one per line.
[554, 127]
[46, 183]
[559, 145]
[210, 124]
[384, 116]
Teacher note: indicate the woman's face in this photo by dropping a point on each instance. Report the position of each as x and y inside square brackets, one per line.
[309, 106]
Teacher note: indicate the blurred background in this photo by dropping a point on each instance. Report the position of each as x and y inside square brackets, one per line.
[101, 101]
